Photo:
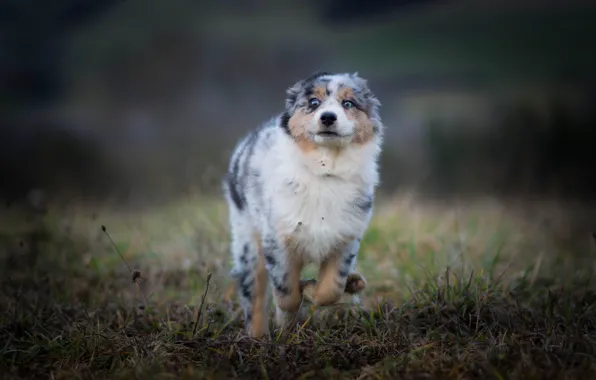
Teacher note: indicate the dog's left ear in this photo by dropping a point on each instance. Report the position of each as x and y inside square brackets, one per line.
[360, 82]
[372, 103]
[292, 95]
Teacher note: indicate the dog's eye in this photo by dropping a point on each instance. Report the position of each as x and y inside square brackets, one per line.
[347, 104]
[314, 102]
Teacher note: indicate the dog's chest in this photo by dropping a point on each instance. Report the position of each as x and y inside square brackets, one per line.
[319, 212]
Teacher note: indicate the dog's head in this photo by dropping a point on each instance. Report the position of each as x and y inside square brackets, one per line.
[328, 109]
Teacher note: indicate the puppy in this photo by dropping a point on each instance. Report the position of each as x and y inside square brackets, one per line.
[300, 190]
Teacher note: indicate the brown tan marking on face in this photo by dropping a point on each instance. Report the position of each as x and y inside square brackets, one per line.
[319, 92]
[297, 125]
[301, 118]
[363, 126]
[345, 93]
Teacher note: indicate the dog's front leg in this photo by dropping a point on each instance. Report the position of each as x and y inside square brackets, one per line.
[336, 276]
[284, 265]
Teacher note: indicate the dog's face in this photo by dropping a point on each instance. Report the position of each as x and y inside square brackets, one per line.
[332, 110]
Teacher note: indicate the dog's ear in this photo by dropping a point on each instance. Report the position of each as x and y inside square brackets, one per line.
[359, 81]
[372, 102]
[292, 95]
[298, 89]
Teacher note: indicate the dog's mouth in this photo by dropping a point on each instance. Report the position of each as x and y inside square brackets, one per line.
[328, 134]
[330, 137]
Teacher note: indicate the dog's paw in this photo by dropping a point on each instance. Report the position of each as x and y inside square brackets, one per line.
[355, 283]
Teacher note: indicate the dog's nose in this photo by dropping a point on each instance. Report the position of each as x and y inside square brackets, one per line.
[328, 118]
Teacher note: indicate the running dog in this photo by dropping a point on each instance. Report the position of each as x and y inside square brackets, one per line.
[300, 190]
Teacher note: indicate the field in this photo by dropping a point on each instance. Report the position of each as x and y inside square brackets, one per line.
[453, 292]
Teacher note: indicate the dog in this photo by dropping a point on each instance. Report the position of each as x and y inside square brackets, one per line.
[300, 189]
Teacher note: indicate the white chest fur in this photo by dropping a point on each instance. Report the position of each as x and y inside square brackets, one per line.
[319, 214]
[315, 197]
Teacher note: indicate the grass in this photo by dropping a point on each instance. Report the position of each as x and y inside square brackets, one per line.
[452, 293]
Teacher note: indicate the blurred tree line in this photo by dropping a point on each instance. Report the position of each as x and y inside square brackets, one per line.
[35, 150]
[524, 153]
[32, 33]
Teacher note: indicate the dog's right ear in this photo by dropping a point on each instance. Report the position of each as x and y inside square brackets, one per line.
[292, 95]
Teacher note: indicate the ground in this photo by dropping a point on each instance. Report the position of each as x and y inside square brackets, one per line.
[453, 292]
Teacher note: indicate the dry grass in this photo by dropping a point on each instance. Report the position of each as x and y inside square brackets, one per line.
[452, 293]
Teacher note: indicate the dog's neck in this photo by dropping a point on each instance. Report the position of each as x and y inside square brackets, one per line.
[341, 162]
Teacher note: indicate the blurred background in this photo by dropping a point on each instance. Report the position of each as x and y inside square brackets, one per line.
[122, 114]
[140, 101]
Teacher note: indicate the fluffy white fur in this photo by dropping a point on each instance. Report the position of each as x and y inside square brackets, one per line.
[318, 189]
[300, 185]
